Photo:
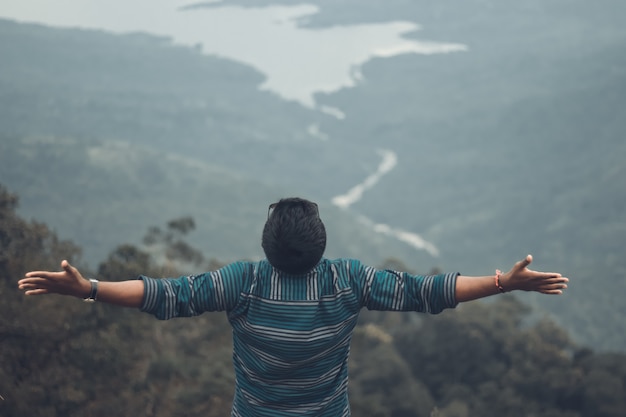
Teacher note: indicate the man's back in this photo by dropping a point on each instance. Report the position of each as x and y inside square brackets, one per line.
[292, 333]
[291, 342]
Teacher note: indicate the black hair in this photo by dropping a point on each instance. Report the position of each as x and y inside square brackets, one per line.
[294, 236]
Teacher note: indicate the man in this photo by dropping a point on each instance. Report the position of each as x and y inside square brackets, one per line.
[293, 313]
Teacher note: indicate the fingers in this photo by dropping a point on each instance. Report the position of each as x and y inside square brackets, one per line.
[29, 284]
[549, 276]
[554, 287]
[554, 290]
[48, 282]
[33, 289]
[551, 292]
[536, 275]
[38, 291]
[67, 268]
[41, 274]
[32, 281]
[71, 270]
[519, 266]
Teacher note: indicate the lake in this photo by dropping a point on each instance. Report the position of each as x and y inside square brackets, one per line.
[298, 61]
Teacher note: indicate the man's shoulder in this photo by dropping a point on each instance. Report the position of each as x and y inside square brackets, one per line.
[324, 267]
[341, 262]
[349, 268]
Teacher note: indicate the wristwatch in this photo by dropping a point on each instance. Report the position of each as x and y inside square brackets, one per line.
[94, 291]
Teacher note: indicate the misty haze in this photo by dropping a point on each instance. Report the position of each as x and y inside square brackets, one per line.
[434, 136]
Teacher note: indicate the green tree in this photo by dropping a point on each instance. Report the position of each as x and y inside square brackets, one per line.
[495, 358]
[61, 357]
[382, 384]
[170, 247]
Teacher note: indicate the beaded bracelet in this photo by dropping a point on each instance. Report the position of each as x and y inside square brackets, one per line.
[498, 285]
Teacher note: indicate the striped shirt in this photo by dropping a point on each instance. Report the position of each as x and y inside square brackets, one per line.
[291, 334]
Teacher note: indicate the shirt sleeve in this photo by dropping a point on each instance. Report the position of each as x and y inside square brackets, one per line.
[186, 296]
[388, 290]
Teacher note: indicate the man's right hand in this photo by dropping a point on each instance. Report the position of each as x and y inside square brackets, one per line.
[69, 281]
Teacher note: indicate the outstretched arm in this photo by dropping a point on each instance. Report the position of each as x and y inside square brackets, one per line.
[518, 278]
[69, 281]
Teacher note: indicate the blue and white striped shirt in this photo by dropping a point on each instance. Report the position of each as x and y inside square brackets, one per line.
[291, 334]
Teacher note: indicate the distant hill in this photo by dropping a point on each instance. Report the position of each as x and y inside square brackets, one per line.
[515, 147]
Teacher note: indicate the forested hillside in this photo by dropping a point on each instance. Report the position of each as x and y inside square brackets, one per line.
[62, 357]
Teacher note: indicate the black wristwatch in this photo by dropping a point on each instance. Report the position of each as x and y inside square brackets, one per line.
[94, 291]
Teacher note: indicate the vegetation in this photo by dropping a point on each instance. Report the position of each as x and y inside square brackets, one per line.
[513, 147]
[61, 357]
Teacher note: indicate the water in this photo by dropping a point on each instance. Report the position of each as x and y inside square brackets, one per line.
[344, 201]
[389, 161]
[298, 62]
